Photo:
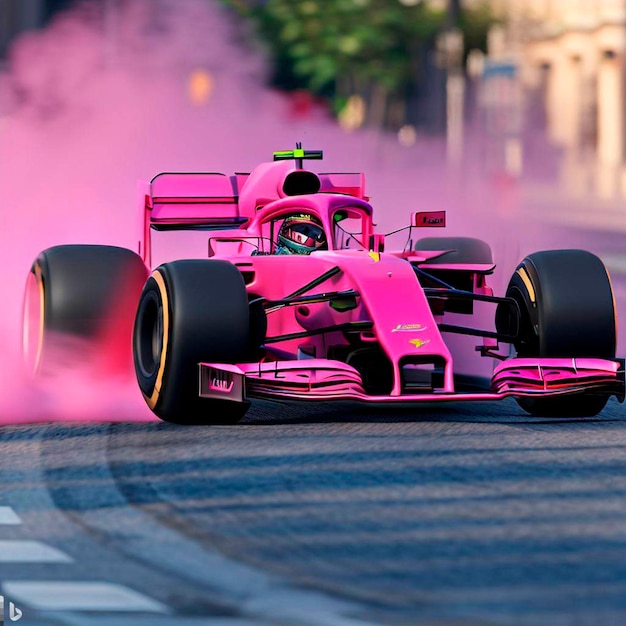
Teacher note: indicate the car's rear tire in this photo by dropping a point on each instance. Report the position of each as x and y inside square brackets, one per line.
[190, 311]
[567, 310]
[80, 297]
[465, 250]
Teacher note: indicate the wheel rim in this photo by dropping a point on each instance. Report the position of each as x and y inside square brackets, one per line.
[150, 336]
[33, 321]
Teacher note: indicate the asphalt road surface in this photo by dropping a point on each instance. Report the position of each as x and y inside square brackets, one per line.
[324, 516]
[321, 515]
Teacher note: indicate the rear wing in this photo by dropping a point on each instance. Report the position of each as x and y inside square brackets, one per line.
[205, 199]
[200, 199]
[178, 201]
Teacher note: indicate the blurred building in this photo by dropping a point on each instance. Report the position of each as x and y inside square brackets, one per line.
[571, 57]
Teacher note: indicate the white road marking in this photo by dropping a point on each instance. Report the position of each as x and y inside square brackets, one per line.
[30, 552]
[259, 597]
[255, 594]
[8, 517]
[157, 620]
[79, 596]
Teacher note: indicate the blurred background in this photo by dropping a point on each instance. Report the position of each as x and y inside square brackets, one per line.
[535, 88]
[508, 114]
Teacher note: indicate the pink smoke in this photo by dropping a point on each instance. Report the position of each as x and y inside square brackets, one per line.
[95, 102]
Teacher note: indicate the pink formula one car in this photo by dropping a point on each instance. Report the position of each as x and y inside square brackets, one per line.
[297, 298]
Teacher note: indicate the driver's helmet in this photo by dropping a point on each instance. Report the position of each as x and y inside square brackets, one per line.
[301, 234]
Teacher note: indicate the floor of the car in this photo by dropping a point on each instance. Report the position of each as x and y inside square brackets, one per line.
[468, 383]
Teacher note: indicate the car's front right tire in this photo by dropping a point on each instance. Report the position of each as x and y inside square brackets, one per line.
[567, 310]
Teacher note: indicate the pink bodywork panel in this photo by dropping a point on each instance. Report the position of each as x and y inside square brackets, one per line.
[389, 296]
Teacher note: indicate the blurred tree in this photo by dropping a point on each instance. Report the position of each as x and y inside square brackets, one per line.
[338, 48]
[370, 48]
[475, 24]
[374, 49]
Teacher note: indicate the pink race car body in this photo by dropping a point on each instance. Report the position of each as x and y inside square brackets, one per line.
[352, 320]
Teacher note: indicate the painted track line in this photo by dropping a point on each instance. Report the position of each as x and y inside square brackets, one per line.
[157, 620]
[8, 517]
[51, 595]
[253, 595]
[31, 552]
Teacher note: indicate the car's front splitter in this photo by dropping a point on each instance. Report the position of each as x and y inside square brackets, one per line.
[324, 379]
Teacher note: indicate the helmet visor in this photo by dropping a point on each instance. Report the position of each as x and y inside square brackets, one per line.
[305, 234]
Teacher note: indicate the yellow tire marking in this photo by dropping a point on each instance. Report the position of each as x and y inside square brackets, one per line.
[26, 340]
[523, 274]
[154, 398]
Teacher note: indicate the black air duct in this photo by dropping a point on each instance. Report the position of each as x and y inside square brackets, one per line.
[301, 182]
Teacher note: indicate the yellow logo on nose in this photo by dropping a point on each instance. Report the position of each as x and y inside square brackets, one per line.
[418, 343]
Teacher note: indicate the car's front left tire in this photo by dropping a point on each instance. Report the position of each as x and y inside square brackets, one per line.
[190, 311]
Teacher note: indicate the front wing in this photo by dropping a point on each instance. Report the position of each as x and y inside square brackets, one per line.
[323, 379]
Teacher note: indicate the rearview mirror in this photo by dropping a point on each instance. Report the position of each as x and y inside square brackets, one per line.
[425, 219]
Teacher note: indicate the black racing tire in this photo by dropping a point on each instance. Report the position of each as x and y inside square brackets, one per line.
[466, 250]
[80, 297]
[567, 310]
[190, 311]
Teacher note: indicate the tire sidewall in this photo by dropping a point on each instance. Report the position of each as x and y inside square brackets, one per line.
[205, 319]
